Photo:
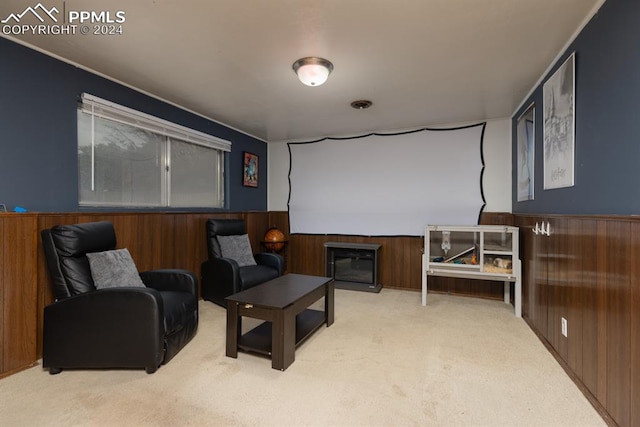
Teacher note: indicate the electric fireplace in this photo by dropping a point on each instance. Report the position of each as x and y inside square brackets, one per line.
[353, 266]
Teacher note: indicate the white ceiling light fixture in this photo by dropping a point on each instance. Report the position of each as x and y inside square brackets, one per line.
[312, 71]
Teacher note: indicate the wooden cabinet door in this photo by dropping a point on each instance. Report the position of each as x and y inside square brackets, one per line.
[534, 259]
[528, 267]
[558, 259]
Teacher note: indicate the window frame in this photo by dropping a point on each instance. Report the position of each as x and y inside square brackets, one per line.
[170, 132]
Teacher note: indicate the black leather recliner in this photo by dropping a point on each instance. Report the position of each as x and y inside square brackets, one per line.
[222, 277]
[120, 327]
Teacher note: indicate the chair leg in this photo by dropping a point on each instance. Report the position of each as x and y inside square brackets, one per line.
[54, 371]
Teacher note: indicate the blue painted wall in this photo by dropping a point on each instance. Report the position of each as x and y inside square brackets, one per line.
[607, 101]
[38, 142]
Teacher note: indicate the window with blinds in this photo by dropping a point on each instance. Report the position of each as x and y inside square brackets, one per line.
[130, 159]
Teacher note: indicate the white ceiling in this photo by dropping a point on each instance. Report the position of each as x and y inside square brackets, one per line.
[421, 62]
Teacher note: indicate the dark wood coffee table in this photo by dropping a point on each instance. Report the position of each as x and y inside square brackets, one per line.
[283, 304]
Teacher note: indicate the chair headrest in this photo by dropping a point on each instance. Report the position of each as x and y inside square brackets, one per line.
[222, 227]
[65, 248]
[226, 227]
[79, 239]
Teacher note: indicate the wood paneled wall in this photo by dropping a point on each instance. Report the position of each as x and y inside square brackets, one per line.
[400, 259]
[18, 292]
[586, 272]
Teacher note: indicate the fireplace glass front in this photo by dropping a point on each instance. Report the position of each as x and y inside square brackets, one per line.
[350, 266]
[353, 266]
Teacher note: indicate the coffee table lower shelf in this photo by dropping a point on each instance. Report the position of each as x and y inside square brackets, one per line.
[258, 339]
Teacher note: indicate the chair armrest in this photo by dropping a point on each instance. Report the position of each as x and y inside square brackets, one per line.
[111, 311]
[271, 260]
[226, 269]
[139, 302]
[171, 280]
[223, 273]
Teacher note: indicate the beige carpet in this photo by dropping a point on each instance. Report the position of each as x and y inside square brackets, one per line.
[386, 361]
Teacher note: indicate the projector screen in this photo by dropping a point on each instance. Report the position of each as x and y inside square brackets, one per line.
[386, 184]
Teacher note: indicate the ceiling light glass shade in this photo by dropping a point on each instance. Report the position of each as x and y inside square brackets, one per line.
[312, 71]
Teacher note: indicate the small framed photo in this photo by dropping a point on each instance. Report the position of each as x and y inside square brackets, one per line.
[526, 153]
[250, 170]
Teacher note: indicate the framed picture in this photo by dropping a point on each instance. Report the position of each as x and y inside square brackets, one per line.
[250, 170]
[526, 154]
[559, 126]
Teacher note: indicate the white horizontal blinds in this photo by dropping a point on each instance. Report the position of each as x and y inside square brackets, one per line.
[99, 107]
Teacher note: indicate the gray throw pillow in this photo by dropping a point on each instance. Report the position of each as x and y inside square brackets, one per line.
[237, 248]
[114, 269]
